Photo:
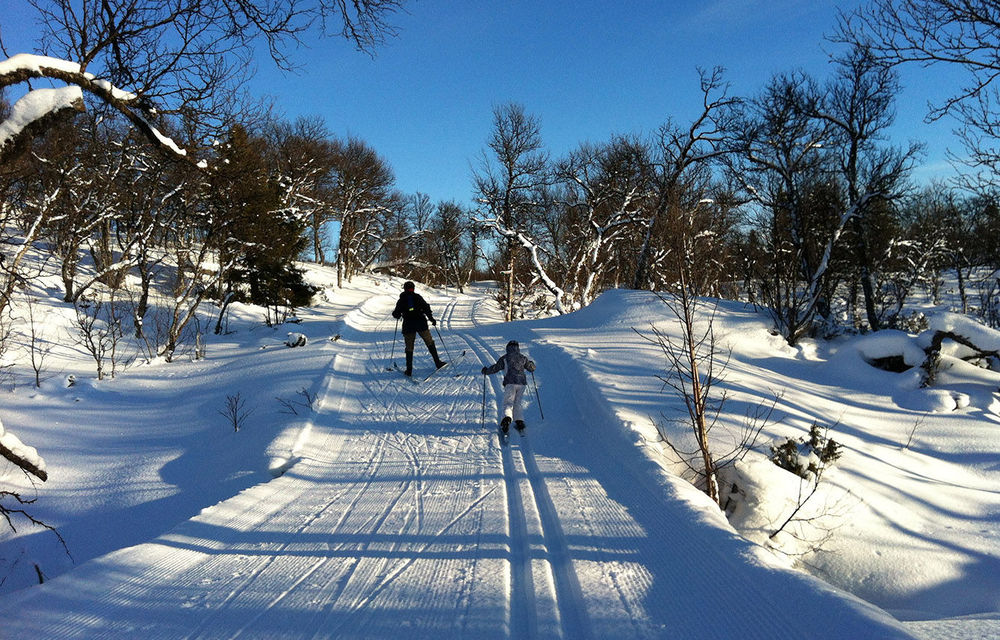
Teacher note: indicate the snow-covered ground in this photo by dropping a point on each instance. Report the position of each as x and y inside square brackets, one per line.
[389, 509]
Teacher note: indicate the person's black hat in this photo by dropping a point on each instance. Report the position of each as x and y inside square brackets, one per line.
[408, 286]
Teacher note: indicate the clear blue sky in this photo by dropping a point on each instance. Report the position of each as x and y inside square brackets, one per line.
[587, 69]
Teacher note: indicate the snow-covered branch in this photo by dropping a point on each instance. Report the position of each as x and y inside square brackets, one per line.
[22, 455]
[39, 108]
[36, 112]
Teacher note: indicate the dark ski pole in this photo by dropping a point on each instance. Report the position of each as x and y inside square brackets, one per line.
[484, 401]
[446, 350]
[392, 354]
[534, 384]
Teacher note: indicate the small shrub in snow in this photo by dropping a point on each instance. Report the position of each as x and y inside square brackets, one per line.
[807, 457]
[296, 340]
[38, 347]
[99, 330]
[235, 411]
[306, 401]
[913, 322]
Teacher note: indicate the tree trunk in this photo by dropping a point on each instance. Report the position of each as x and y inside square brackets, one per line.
[509, 312]
[867, 277]
[961, 288]
[318, 240]
[68, 274]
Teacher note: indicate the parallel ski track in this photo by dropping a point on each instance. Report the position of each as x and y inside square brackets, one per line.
[550, 565]
[393, 401]
[522, 616]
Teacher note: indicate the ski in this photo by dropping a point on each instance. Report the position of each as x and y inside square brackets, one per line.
[429, 375]
[448, 365]
[504, 436]
[416, 378]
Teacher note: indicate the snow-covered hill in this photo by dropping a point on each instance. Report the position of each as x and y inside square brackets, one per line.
[354, 503]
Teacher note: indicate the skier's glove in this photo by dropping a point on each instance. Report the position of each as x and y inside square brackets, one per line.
[484, 371]
[434, 322]
[530, 366]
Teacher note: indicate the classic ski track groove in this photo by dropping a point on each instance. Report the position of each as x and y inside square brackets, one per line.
[521, 616]
[372, 470]
[555, 567]
[551, 563]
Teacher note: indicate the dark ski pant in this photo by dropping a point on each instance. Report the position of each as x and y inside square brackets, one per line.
[410, 338]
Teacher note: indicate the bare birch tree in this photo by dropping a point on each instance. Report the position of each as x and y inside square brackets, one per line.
[858, 107]
[962, 34]
[506, 184]
[605, 190]
[362, 199]
[681, 150]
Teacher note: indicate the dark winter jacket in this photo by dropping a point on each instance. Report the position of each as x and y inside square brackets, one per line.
[414, 311]
[514, 363]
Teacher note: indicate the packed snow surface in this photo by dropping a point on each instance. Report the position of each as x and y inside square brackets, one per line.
[354, 503]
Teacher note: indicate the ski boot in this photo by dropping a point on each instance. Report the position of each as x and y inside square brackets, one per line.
[505, 424]
[438, 362]
[519, 425]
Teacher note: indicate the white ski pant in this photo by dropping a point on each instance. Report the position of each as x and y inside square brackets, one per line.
[512, 401]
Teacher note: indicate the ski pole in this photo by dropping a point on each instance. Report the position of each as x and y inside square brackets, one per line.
[535, 384]
[446, 350]
[392, 354]
[484, 402]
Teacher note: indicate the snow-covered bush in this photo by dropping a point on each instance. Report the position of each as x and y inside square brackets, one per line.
[807, 457]
[296, 339]
[792, 512]
[910, 322]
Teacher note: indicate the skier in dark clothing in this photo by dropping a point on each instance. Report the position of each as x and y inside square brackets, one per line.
[415, 312]
[514, 363]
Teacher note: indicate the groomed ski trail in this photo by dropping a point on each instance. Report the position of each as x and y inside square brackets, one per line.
[400, 516]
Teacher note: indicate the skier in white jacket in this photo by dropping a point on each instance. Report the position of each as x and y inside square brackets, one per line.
[514, 364]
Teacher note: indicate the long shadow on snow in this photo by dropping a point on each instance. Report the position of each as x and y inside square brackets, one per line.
[187, 474]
